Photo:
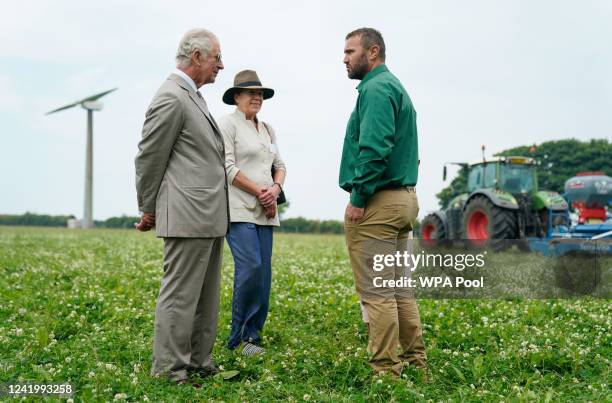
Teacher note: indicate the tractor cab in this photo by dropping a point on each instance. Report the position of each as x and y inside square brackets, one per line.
[502, 203]
[514, 175]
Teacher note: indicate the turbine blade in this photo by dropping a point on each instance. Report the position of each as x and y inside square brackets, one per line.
[97, 96]
[62, 108]
[89, 98]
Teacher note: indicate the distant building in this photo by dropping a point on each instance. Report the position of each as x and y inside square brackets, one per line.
[73, 223]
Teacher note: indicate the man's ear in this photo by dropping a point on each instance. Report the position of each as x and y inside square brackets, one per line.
[195, 57]
[374, 52]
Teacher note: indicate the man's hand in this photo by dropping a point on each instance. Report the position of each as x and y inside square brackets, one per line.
[271, 211]
[268, 196]
[353, 214]
[147, 221]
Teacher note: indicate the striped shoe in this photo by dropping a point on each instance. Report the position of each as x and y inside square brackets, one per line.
[252, 349]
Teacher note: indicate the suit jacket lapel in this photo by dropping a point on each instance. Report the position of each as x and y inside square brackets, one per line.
[203, 108]
[199, 102]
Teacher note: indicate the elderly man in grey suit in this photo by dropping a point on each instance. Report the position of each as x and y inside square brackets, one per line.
[182, 191]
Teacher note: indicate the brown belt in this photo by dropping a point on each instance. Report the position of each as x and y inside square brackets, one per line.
[409, 189]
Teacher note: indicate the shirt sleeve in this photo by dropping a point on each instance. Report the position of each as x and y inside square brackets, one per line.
[376, 140]
[228, 130]
[163, 123]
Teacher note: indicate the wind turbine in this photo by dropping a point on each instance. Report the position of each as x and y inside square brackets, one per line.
[90, 104]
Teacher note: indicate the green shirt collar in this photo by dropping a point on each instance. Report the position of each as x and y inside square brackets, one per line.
[372, 73]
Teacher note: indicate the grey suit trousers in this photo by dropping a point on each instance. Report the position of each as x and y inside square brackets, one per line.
[187, 307]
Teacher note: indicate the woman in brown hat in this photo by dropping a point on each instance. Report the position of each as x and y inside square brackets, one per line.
[250, 154]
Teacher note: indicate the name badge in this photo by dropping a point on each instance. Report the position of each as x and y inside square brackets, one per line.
[273, 148]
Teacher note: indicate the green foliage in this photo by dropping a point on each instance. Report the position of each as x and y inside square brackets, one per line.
[301, 225]
[44, 220]
[118, 222]
[558, 161]
[34, 220]
[78, 307]
[282, 209]
[456, 187]
[295, 225]
[304, 225]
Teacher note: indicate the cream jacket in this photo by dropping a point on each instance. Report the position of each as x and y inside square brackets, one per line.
[253, 153]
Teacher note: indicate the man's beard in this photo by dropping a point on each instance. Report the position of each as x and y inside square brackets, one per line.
[360, 69]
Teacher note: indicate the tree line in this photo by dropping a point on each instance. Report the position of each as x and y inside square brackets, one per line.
[46, 220]
[297, 225]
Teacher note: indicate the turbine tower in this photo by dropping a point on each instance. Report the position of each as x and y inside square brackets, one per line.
[90, 104]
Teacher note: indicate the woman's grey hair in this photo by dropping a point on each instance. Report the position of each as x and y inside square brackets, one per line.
[195, 39]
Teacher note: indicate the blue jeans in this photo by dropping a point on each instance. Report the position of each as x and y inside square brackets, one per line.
[251, 246]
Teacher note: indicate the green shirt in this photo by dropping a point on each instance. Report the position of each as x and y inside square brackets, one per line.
[380, 146]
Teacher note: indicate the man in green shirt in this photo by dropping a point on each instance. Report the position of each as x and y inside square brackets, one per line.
[379, 168]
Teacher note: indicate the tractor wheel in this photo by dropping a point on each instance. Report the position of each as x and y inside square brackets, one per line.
[432, 231]
[486, 225]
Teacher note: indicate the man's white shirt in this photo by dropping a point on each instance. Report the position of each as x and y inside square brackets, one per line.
[185, 77]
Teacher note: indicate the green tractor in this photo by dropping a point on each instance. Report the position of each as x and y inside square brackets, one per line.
[503, 203]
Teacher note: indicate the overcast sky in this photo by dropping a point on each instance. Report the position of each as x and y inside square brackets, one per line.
[500, 73]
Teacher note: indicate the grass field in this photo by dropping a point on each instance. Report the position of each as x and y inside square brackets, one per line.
[78, 307]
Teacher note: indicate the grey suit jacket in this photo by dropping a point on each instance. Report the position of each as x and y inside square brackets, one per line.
[180, 165]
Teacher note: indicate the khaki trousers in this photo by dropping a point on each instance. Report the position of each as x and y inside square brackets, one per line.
[187, 307]
[392, 311]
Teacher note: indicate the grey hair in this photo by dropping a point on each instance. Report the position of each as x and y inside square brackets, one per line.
[196, 39]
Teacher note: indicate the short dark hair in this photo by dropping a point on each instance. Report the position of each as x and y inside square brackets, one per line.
[369, 38]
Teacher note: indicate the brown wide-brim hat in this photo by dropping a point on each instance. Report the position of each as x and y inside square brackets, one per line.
[246, 80]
